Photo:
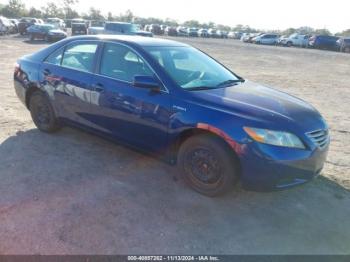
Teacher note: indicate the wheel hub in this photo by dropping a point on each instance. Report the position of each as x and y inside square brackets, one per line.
[204, 166]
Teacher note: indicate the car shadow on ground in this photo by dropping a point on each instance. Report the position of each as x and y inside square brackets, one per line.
[35, 42]
[76, 181]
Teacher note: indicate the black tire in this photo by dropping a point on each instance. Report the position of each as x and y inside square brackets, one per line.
[289, 44]
[42, 113]
[208, 165]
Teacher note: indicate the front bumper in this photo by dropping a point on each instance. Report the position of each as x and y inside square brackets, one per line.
[57, 37]
[265, 167]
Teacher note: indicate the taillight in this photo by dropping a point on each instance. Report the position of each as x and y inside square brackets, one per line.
[17, 67]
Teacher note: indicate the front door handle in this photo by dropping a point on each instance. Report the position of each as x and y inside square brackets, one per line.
[98, 87]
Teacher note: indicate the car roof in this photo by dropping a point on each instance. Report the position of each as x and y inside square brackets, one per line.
[131, 39]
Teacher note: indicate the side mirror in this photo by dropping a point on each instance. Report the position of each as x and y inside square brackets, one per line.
[148, 82]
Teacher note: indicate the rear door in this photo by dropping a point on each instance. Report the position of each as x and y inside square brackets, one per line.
[138, 116]
[66, 75]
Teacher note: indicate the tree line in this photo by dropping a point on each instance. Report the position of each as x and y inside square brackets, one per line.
[65, 9]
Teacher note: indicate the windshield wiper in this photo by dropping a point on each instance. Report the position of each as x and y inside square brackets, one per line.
[197, 88]
[229, 82]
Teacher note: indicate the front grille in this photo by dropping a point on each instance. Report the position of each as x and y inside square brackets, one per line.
[319, 137]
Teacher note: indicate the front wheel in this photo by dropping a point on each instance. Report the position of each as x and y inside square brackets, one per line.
[208, 165]
[42, 113]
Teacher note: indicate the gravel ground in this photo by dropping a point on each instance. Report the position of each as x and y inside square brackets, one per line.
[73, 193]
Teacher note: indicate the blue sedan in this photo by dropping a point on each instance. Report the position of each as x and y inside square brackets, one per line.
[174, 101]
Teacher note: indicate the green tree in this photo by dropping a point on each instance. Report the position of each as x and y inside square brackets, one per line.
[15, 8]
[192, 23]
[110, 16]
[323, 31]
[95, 14]
[289, 31]
[33, 12]
[68, 10]
[128, 16]
[305, 30]
[171, 22]
[344, 33]
[52, 10]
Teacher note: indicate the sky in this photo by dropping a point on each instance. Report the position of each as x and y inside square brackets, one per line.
[263, 14]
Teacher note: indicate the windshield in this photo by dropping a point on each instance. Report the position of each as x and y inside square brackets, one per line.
[191, 69]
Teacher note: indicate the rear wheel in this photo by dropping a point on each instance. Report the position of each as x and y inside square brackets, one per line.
[42, 113]
[289, 44]
[208, 165]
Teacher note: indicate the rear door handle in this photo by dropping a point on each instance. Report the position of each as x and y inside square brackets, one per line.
[46, 72]
[98, 87]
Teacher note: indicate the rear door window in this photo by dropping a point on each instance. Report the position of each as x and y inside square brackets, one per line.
[56, 57]
[80, 56]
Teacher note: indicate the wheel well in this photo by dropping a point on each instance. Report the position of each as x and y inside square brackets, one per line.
[199, 131]
[29, 93]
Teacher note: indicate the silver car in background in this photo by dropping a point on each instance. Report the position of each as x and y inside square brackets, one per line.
[266, 39]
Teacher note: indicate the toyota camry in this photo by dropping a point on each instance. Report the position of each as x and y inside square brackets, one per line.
[174, 101]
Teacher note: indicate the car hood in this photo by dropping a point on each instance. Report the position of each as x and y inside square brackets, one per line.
[260, 103]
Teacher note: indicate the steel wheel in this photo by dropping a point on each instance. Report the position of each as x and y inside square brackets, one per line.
[42, 113]
[208, 165]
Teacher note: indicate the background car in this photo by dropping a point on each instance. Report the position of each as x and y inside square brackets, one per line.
[237, 35]
[266, 39]
[118, 28]
[170, 31]
[46, 32]
[248, 37]
[5, 25]
[295, 40]
[213, 33]
[203, 33]
[182, 31]
[156, 29]
[323, 42]
[282, 39]
[97, 23]
[26, 22]
[192, 32]
[15, 24]
[57, 22]
[79, 28]
[343, 44]
[222, 34]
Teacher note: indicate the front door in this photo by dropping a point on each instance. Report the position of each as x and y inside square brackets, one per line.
[137, 116]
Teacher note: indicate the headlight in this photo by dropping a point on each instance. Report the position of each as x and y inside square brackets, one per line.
[276, 138]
